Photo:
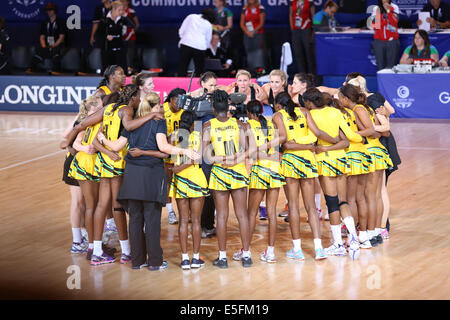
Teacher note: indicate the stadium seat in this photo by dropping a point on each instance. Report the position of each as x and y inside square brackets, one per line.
[21, 57]
[255, 59]
[71, 60]
[95, 59]
[153, 58]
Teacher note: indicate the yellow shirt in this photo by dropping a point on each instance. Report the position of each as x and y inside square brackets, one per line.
[225, 137]
[172, 119]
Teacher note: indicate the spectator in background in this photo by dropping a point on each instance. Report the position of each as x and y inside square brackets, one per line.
[324, 19]
[224, 22]
[5, 51]
[439, 14]
[195, 36]
[98, 34]
[300, 16]
[420, 49]
[130, 37]
[216, 51]
[115, 26]
[444, 61]
[386, 44]
[53, 32]
[252, 21]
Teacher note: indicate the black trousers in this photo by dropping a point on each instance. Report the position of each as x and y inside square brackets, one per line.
[386, 53]
[145, 247]
[303, 48]
[116, 56]
[47, 53]
[207, 219]
[188, 53]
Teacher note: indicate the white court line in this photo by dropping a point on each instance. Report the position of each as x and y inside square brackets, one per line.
[31, 160]
[424, 148]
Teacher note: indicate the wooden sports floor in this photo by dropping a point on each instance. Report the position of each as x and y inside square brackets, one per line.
[36, 235]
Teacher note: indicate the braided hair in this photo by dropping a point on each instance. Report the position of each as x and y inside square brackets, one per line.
[284, 100]
[109, 71]
[255, 107]
[125, 95]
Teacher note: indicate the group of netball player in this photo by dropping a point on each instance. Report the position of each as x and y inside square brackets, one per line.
[317, 138]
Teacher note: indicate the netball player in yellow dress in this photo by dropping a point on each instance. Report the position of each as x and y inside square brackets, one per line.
[224, 145]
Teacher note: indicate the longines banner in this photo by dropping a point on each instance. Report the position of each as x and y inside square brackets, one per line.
[174, 11]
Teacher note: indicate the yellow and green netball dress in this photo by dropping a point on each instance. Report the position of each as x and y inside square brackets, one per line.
[106, 90]
[112, 126]
[332, 163]
[265, 173]
[83, 164]
[172, 121]
[298, 163]
[379, 154]
[225, 142]
[358, 157]
[191, 181]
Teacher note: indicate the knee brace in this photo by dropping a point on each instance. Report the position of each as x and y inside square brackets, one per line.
[332, 203]
[119, 210]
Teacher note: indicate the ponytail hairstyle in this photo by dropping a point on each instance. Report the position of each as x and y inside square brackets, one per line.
[255, 107]
[315, 96]
[354, 95]
[307, 78]
[360, 83]
[206, 76]
[86, 105]
[186, 120]
[139, 79]
[146, 105]
[109, 71]
[353, 75]
[219, 100]
[174, 93]
[125, 95]
[284, 100]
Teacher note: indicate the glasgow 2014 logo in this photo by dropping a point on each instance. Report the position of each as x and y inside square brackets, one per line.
[26, 9]
[403, 101]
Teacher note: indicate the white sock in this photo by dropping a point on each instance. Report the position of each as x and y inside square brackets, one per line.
[169, 207]
[297, 244]
[196, 256]
[377, 231]
[98, 251]
[270, 250]
[262, 204]
[125, 245]
[184, 256]
[337, 235]
[91, 246]
[362, 236]
[371, 233]
[350, 224]
[317, 200]
[318, 244]
[246, 254]
[222, 254]
[110, 222]
[84, 233]
[76, 233]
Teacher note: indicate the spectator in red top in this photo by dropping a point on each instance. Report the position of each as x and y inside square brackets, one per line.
[386, 44]
[130, 37]
[300, 21]
[252, 21]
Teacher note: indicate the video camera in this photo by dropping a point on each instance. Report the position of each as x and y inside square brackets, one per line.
[200, 106]
[240, 111]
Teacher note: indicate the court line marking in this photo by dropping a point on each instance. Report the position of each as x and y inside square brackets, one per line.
[31, 160]
[425, 148]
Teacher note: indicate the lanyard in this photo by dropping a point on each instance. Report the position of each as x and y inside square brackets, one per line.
[299, 6]
[53, 26]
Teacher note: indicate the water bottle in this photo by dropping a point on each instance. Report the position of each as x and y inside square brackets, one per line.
[332, 24]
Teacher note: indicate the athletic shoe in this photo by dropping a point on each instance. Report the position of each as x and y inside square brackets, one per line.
[286, 219]
[247, 262]
[89, 254]
[374, 241]
[268, 257]
[142, 266]
[185, 264]
[110, 228]
[221, 263]
[353, 250]
[208, 233]
[296, 255]
[125, 258]
[163, 266]
[262, 213]
[172, 218]
[103, 259]
[79, 247]
[285, 212]
[365, 244]
[197, 263]
[336, 250]
[320, 254]
[238, 255]
[379, 239]
[384, 234]
[344, 230]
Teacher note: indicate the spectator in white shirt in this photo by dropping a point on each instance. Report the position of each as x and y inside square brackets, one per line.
[195, 36]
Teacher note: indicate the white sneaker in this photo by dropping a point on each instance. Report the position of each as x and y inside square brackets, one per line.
[365, 244]
[336, 250]
[268, 257]
[353, 250]
[238, 255]
[172, 218]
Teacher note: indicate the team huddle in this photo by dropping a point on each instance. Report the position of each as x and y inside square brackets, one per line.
[129, 153]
